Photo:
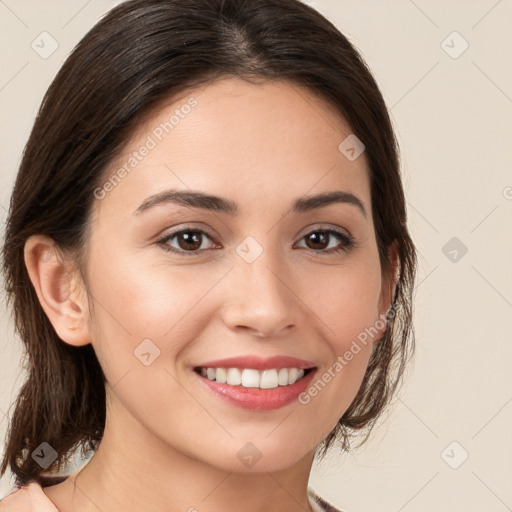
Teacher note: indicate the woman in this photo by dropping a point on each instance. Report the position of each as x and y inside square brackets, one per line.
[208, 261]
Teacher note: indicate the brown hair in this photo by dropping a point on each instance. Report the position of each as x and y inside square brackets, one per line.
[141, 53]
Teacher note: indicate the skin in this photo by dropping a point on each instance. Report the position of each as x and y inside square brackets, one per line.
[170, 444]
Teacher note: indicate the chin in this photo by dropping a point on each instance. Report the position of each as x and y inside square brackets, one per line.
[261, 456]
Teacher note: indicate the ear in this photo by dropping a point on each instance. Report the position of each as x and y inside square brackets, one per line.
[389, 285]
[60, 292]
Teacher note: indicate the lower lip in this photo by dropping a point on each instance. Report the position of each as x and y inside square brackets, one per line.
[257, 399]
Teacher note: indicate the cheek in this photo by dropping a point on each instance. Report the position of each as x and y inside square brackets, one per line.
[143, 306]
[144, 299]
[345, 298]
[144, 322]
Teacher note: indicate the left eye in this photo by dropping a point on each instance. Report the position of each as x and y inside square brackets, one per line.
[189, 241]
[320, 236]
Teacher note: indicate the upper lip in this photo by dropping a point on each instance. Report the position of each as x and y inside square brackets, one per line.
[259, 363]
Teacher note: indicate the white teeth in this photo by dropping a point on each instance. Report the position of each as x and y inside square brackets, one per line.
[269, 379]
[234, 377]
[221, 375]
[283, 377]
[251, 378]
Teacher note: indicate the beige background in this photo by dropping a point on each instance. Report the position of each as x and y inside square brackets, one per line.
[453, 118]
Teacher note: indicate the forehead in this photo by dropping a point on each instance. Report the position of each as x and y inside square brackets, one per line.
[266, 143]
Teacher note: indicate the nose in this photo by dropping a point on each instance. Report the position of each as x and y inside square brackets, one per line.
[260, 297]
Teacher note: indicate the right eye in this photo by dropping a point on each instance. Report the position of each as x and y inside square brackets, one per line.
[189, 241]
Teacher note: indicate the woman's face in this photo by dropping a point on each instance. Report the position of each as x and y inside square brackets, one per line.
[265, 280]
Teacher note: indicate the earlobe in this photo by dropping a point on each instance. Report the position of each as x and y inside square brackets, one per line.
[59, 292]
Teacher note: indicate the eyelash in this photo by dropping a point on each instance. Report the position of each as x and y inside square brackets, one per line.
[348, 241]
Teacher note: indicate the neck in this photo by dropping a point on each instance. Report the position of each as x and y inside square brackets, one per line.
[133, 471]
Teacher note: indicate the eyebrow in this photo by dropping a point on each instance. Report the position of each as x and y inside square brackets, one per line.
[194, 199]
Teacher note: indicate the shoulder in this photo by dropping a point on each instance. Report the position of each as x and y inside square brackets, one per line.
[29, 498]
[319, 504]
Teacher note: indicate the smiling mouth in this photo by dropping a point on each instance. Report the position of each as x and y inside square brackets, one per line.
[252, 378]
